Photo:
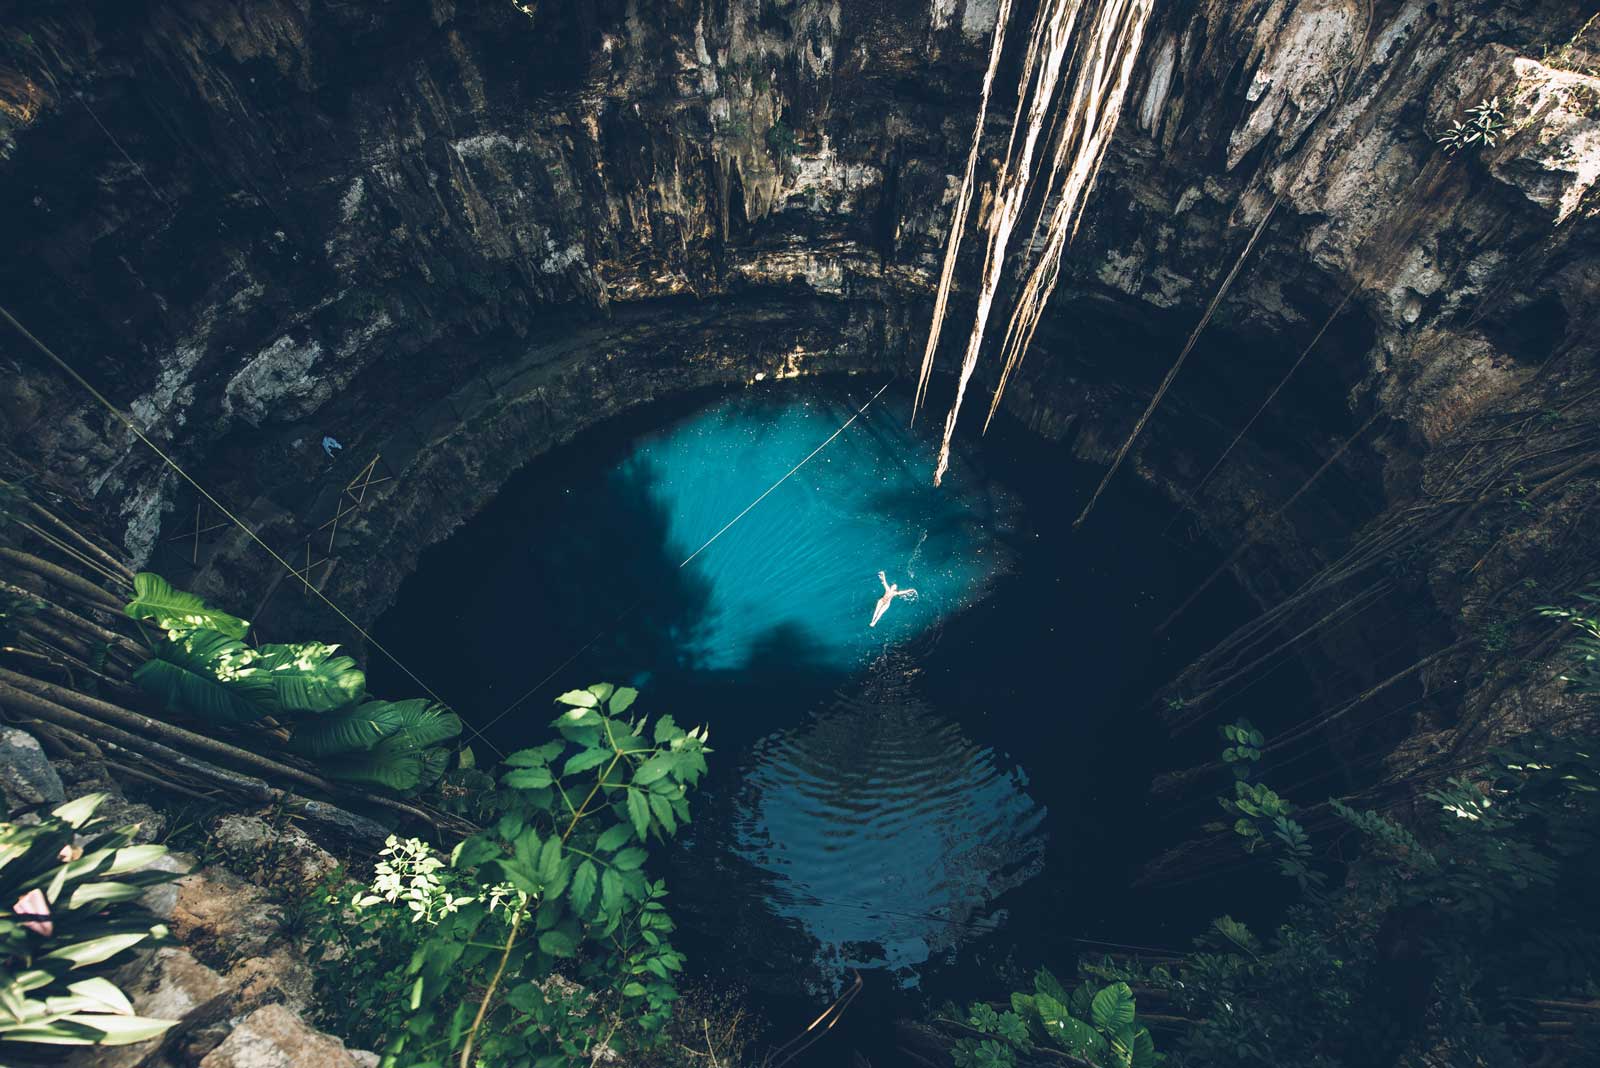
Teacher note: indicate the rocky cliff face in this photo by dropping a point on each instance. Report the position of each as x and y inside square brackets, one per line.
[451, 234]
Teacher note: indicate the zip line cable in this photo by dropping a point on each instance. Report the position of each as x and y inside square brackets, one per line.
[170, 462]
[478, 732]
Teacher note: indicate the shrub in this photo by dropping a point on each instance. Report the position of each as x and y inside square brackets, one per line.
[542, 937]
[203, 668]
[69, 912]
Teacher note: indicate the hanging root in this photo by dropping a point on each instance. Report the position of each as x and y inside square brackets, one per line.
[958, 219]
[1082, 126]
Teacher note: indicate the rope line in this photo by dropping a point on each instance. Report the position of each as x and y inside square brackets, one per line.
[478, 732]
[170, 462]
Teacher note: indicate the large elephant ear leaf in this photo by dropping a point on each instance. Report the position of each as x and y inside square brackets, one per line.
[1112, 1008]
[208, 676]
[426, 724]
[308, 678]
[393, 763]
[177, 611]
[355, 730]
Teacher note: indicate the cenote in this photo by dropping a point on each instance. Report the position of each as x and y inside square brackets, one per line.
[960, 788]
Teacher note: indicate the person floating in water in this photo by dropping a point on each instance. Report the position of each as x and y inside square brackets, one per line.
[329, 443]
[890, 593]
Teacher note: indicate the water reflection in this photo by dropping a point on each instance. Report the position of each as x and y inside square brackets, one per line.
[886, 831]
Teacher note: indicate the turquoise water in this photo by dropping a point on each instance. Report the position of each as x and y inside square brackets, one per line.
[800, 568]
[961, 785]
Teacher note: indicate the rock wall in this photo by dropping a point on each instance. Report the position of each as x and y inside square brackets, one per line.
[451, 234]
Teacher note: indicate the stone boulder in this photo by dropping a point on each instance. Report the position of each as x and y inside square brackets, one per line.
[274, 1037]
[284, 857]
[26, 777]
[168, 985]
[223, 918]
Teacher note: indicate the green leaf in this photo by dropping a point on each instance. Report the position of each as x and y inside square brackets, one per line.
[1045, 982]
[654, 768]
[1112, 1008]
[175, 610]
[536, 757]
[578, 699]
[550, 859]
[663, 813]
[630, 859]
[613, 838]
[623, 700]
[585, 760]
[639, 813]
[583, 884]
[1144, 1049]
[78, 811]
[420, 720]
[209, 676]
[307, 677]
[95, 950]
[527, 778]
[394, 763]
[557, 943]
[601, 690]
[105, 993]
[610, 892]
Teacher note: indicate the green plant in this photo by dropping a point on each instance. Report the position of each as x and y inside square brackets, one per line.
[542, 938]
[203, 668]
[1097, 1026]
[1244, 749]
[69, 912]
[1433, 948]
[1583, 651]
[1484, 126]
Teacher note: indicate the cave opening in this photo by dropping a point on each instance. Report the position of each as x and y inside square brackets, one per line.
[965, 784]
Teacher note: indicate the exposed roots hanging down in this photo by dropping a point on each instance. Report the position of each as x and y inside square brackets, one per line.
[1500, 494]
[1075, 126]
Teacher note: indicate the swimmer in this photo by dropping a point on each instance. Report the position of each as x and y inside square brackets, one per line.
[890, 593]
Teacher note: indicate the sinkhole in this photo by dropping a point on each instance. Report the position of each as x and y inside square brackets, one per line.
[960, 787]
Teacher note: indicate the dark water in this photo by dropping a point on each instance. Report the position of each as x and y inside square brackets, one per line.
[959, 787]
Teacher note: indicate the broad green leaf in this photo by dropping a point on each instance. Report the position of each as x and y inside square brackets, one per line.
[527, 778]
[639, 813]
[95, 950]
[393, 763]
[613, 838]
[654, 768]
[209, 676]
[623, 700]
[175, 610]
[610, 892]
[550, 859]
[1077, 1037]
[585, 760]
[537, 756]
[578, 699]
[420, 721]
[601, 690]
[583, 883]
[78, 811]
[630, 859]
[308, 678]
[1112, 1008]
[105, 993]
[1045, 982]
[557, 943]
[662, 808]
[1144, 1049]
